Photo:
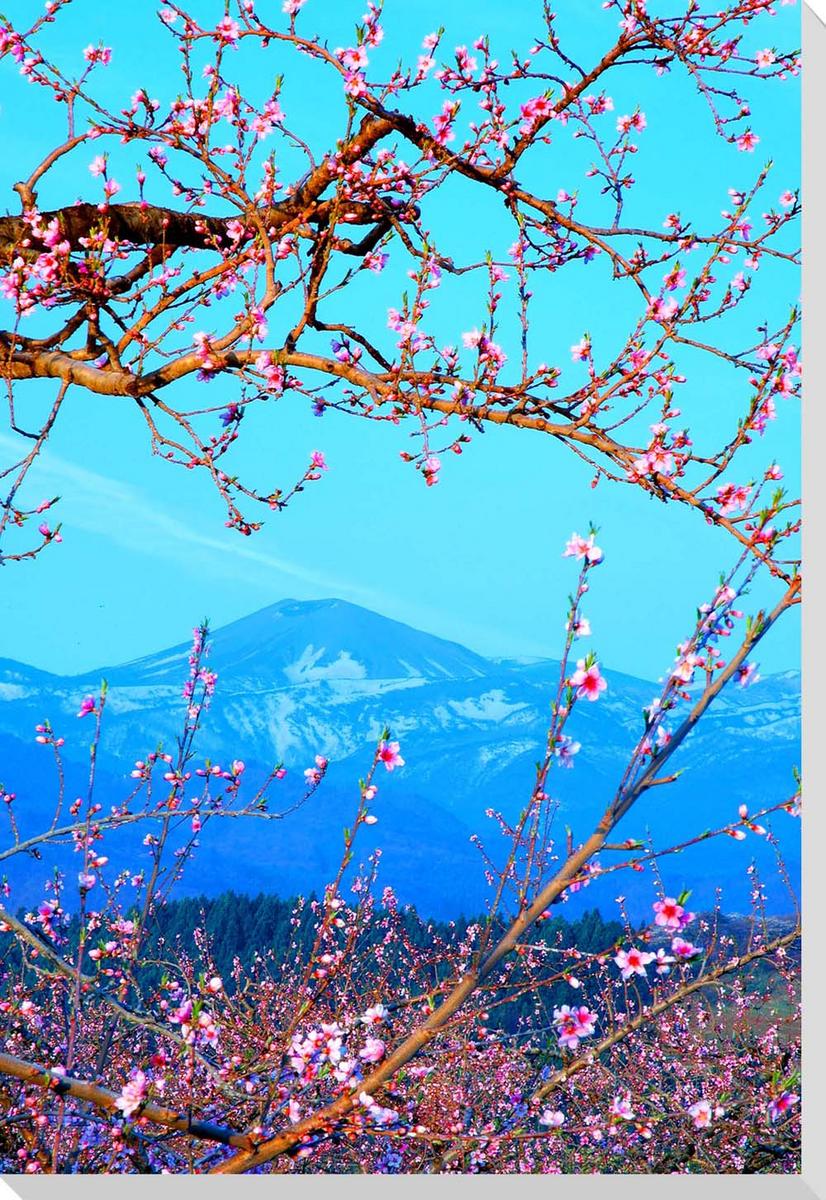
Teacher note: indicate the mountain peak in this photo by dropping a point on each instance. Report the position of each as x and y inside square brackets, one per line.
[293, 642]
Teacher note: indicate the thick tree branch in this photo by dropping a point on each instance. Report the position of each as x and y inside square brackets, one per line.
[152, 225]
[66, 1085]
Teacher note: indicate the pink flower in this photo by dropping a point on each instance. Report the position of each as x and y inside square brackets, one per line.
[663, 962]
[668, 913]
[317, 461]
[636, 121]
[443, 123]
[731, 497]
[747, 141]
[375, 261]
[352, 59]
[273, 373]
[374, 1050]
[133, 1094]
[765, 58]
[565, 750]
[633, 962]
[599, 104]
[684, 669]
[98, 165]
[228, 30]
[662, 310]
[87, 705]
[621, 1106]
[747, 674]
[781, 1104]
[388, 753]
[683, 949]
[579, 547]
[430, 468]
[552, 1119]
[582, 349]
[587, 680]
[657, 460]
[374, 1015]
[700, 1114]
[258, 324]
[533, 111]
[98, 54]
[573, 1025]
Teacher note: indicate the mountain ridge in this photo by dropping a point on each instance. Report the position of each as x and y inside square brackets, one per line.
[300, 678]
[180, 651]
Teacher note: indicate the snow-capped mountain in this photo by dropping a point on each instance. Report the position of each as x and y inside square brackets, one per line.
[325, 677]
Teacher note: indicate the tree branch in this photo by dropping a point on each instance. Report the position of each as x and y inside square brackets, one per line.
[67, 1085]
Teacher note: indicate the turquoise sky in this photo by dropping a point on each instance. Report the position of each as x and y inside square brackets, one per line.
[478, 558]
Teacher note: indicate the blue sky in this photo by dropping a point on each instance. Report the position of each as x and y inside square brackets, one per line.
[478, 558]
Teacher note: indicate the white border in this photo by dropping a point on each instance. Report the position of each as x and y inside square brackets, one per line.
[812, 1183]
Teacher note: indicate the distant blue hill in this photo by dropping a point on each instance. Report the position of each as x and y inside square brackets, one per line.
[301, 678]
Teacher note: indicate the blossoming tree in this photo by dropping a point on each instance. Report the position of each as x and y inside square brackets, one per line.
[195, 259]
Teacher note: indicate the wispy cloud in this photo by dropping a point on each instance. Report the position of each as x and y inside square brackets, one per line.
[121, 513]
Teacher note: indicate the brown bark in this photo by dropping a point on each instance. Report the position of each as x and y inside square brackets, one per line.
[67, 1085]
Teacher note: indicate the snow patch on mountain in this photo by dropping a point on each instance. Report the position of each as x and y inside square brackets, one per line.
[267, 721]
[306, 670]
[413, 672]
[504, 753]
[490, 706]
